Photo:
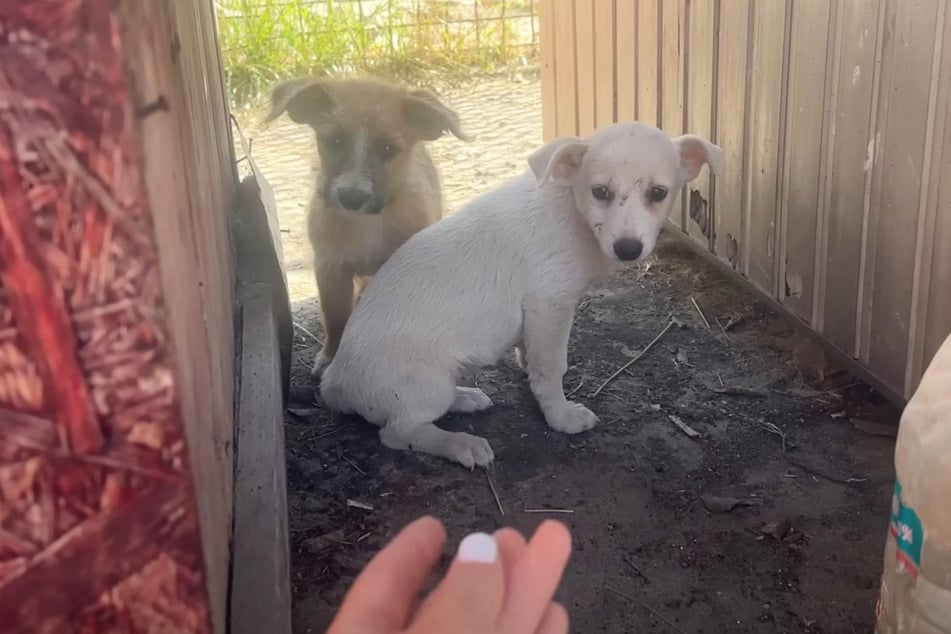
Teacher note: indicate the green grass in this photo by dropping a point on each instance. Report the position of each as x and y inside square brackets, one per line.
[264, 41]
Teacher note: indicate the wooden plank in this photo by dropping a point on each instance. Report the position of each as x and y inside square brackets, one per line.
[563, 14]
[549, 64]
[208, 142]
[217, 108]
[104, 533]
[733, 96]
[648, 62]
[672, 86]
[196, 271]
[584, 56]
[605, 61]
[937, 299]
[925, 266]
[804, 154]
[258, 243]
[626, 71]
[902, 127]
[938, 316]
[671, 80]
[849, 171]
[260, 590]
[766, 121]
[880, 78]
[699, 111]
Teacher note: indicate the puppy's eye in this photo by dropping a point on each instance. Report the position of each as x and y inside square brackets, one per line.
[657, 193]
[334, 140]
[387, 149]
[600, 192]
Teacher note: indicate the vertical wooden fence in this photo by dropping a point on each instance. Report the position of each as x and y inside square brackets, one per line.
[835, 121]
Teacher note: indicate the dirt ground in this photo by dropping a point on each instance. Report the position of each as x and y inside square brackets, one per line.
[772, 519]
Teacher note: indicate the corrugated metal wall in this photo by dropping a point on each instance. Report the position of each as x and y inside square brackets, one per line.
[836, 120]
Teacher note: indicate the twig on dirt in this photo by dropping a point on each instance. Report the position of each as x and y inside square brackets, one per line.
[733, 322]
[359, 505]
[875, 429]
[773, 429]
[640, 354]
[646, 607]
[331, 432]
[564, 511]
[724, 504]
[713, 284]
[700, 312]
[824, 476]
[640, 573]
[816, 395]
[574, 391]
[720, 379]
[354, 465]
[739, 391]
[308, 333]
[495, 493]
[303, 414]
[684, 427]
[723, 330]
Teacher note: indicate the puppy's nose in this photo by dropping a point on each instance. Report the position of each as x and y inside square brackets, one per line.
[628, 249]
[353, 198]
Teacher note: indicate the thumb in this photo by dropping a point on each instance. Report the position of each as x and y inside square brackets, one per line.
[474, 587]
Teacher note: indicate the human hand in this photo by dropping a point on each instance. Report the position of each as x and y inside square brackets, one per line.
[496, 584]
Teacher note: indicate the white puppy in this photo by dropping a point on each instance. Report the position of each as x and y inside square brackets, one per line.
[507, 270]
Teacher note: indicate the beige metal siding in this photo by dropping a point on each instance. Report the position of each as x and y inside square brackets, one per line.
[834, 117]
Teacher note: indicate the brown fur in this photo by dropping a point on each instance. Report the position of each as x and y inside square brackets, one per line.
[370, 134]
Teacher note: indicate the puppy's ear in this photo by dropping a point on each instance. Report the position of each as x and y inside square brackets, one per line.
[430, 118]
[694, 152]
[558, 160]
[304, 100]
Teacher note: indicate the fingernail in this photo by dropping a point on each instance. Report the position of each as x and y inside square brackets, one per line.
[477, 548]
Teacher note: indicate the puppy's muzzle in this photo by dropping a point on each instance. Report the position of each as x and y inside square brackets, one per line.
[353, 198]
[628, 249]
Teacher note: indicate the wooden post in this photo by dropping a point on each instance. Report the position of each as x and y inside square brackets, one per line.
[116, 318]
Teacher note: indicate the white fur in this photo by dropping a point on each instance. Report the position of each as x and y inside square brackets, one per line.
[507, 270]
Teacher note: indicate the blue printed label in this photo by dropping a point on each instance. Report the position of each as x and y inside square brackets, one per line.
[906, 528]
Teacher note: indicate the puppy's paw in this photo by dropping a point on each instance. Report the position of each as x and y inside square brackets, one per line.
[572, 418]
[470, 451]
[470, 399]
[320, 364]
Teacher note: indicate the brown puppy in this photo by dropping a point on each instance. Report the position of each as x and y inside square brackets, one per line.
[377, 184]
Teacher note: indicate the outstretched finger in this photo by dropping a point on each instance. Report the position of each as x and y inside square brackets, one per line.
[511, 548]
[470, 597]
[511, 545]
[383, 596]
[554, 621]
[535, 578]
